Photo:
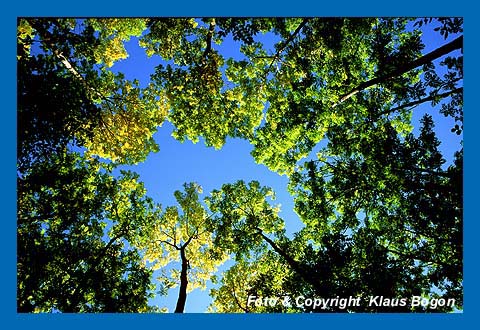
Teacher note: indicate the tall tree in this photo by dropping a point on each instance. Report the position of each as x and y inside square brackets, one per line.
[395, 193]
[203, 104]
[285, 100]
[382, 225]
[75, 221]
[94, 107]
[75, 225]
[185, 237]
[381, 207]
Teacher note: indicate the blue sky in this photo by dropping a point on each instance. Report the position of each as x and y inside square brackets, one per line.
[177, 163]
[244, 8]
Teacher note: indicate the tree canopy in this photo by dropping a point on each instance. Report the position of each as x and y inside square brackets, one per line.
[326, 102]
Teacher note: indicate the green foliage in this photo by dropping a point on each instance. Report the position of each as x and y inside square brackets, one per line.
[130, 116]
[195, 86]
[177, 229]
[167, 37]
[112, 33]
[94, 108]
[332, 57]
[243, 212]
[74, 229]
[397, 195]
[262, 277]
[381, 208]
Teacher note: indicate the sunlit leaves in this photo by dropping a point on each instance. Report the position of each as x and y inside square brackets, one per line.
[195, 85]
[121, 125]
[243, 211]
[112, 33]
[130, 117]
[309, 77]
[262, 277]
[198, 95]
[25, 34]
[167, 37]
[183, 228]
[381, 212]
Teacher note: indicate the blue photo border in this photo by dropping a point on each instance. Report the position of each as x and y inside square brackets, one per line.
[197, 8]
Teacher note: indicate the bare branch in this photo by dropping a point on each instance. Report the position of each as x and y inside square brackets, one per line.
[168, 243]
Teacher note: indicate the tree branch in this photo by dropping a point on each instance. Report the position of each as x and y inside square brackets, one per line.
[47, 38]
[189, 240]
[437, 53]
[412, 256]
[295, 265]
[420, 101]
[289, 40]
[168, 243]
[46, 35]
[234, 295]
[211, 29]
[164, 232]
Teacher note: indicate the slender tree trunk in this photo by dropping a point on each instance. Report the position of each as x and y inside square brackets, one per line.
[211, 30]
[182, 295]
[433, 55]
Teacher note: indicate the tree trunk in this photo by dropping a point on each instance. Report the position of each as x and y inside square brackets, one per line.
[182, 295]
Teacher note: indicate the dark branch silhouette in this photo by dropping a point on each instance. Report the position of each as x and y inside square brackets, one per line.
[433, 55]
